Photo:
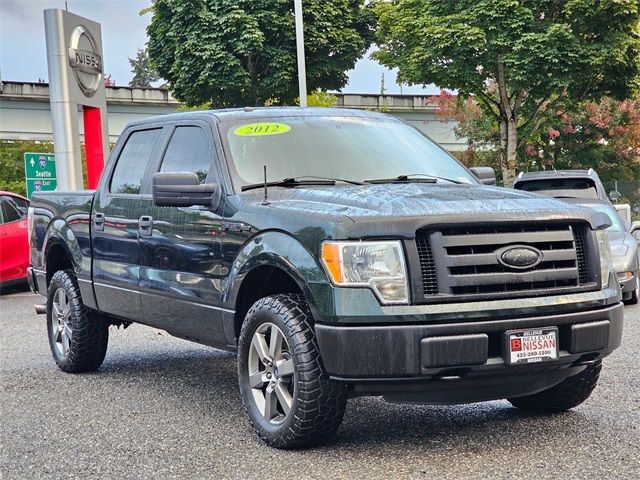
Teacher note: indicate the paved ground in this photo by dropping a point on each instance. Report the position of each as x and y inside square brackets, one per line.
[164, 408]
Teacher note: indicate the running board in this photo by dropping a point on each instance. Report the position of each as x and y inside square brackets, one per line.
[41, 309]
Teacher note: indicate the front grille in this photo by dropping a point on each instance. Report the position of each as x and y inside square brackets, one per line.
[583, 267]
[429, 277]
[463, 260]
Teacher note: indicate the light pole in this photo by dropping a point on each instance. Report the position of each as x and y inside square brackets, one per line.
[302, 72]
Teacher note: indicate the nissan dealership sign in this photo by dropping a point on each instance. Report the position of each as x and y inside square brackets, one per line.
[76, 83]
[85, 60]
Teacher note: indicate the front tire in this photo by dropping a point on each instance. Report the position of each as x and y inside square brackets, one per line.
[569, 393]
[78, 337]
[287, 394]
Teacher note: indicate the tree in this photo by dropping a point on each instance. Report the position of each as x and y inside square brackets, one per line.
[243, 52]
[109, 81]
[518, 58]
[144, 74]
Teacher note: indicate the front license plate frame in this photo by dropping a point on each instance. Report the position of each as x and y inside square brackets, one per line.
[531, 345]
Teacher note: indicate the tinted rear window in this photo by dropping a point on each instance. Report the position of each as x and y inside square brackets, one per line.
[133, 160]
[561, 187]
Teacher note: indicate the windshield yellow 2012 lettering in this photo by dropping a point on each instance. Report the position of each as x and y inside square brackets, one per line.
[259, 129]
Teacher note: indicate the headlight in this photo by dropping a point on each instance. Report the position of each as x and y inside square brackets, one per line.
[624, 276]
[377, 265]
[605, 256]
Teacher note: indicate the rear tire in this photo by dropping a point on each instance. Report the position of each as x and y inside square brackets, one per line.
[289, 397]
[569, 393]
[78, 336]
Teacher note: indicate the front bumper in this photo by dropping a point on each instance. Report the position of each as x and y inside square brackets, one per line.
[462, 361]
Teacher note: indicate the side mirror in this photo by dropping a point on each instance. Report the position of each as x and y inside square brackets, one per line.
[183, 190]
[614, 195]
[635, 227]
[486, 175]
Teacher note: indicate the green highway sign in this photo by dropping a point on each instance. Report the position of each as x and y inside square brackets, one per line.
[40, 172]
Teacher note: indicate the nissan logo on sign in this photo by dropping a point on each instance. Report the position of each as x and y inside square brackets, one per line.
[85, 60]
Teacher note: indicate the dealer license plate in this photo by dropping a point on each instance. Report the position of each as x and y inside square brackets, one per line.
[531, 346]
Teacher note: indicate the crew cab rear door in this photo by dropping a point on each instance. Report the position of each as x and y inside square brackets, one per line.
[180, 262]
[117, 208]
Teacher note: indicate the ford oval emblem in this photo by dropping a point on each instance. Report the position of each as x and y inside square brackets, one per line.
[519, 257]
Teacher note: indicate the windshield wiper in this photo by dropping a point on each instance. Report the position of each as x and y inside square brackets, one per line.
[409, 178]
[297, 181]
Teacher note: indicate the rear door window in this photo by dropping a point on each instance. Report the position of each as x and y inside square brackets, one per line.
[189, 151]
[133, 160]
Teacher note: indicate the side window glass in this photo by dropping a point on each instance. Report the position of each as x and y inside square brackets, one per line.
[10, 210]
[22, 206]
[188, 151]
[133, 160]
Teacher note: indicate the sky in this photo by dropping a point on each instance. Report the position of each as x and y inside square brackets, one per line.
[23, 56]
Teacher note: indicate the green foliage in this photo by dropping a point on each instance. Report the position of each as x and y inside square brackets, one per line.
[12, 176]
[319, 98]
[519, 58]
[194, 108]
[589, 47]
[144, 74]
[242, 52]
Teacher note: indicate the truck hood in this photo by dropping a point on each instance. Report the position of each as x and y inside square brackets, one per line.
[386, 209]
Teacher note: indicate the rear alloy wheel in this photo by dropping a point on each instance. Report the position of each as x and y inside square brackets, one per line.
[61, 329]
[78, 336]
[288, 396]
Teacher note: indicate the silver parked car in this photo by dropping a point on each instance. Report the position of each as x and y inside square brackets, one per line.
[624, 248]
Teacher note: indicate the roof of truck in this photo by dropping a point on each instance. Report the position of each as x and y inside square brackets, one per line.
[252, 113]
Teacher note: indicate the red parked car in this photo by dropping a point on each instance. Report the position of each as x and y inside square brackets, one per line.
[14, 246]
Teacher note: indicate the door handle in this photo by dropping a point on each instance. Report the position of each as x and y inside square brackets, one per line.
[145, 226]
[98, 221]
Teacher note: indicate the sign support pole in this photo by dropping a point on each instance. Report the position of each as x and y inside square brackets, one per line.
[302, 72]
[93, 145]
[64, 111]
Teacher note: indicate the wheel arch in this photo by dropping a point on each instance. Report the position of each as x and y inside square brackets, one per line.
[270, 263]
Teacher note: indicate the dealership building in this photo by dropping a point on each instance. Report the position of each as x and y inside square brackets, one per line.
[25, 112]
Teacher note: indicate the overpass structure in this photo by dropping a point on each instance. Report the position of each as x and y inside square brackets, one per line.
[25, 113]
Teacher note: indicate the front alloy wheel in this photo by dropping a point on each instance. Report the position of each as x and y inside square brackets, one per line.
[271, 373]
[291, 401]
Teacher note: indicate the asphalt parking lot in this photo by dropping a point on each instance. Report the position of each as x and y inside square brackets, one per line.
[161, 407]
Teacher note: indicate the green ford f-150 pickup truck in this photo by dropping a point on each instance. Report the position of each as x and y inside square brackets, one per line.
[340, 253]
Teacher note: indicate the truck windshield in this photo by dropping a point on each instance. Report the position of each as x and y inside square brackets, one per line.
[349, 148]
